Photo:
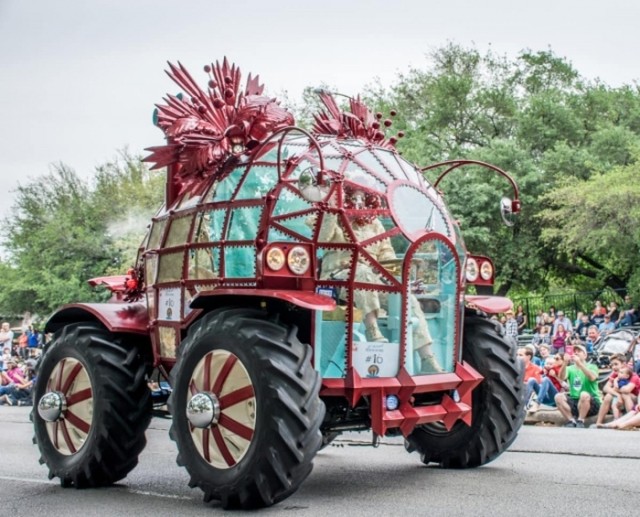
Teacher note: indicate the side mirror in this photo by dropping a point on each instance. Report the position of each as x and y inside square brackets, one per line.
[312, 185]
[508, 210]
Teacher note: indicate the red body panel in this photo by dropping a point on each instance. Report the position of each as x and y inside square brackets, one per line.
[117, 317]
[407, 416]
[303, 299]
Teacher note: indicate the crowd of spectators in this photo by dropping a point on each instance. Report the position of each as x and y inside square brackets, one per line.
[558, 372]
[17, 364]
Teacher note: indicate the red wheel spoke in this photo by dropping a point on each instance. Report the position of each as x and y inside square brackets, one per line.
[224, 373]
[192, 388]
[224, 450]
[236, 427]
[206, 383]
[67, 438]
[79, 396]
[205, 444]
[72, 377]
[77, 421]
[60, 372]
[236, 396]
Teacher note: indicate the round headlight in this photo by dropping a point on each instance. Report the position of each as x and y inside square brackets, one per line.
[486, 270]
[298, 260]
[275, 259]
[472, 270]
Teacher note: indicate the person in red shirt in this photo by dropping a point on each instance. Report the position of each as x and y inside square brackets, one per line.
[624, 397]
[550, 385]
[628, 386]
[532, 372]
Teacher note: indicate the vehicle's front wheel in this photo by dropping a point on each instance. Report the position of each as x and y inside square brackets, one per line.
[498, 403]
[91, 407]
[245, 407]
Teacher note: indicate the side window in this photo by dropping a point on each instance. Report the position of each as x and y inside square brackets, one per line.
[243, 225]
[178, 231]
[170, 267]
[204, 263]
[155, 236]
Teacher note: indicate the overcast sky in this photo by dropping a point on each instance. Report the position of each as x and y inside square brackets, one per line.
[79, 78]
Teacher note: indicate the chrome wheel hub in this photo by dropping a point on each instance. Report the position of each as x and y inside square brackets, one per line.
[221, 409]
[203, 410]
[51, 406]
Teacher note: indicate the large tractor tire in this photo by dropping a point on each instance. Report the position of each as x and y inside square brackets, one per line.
[91, 407]
[498, 403]
[245, 407]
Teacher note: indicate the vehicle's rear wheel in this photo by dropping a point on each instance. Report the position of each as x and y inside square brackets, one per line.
[498, 403]
[91, 407]
[245, 407]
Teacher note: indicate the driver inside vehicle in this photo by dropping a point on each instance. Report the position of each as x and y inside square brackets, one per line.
[336, 265]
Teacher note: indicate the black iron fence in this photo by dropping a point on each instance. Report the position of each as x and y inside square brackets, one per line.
[570, 303]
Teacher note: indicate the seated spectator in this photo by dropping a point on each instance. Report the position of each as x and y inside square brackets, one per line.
[582, 327]
[607, 326]
[542, 337]
[19, 392]
[22, 396]
[559, 339]
[550, 385]
[547, 320]
[14, 372]
[628, 314]
[521, 319]
[544, 351]
[6, 384]
[609, 391]
[593, 339]
[532, 373]
[628, 385]
[597, 315]
[561, 319]
[540, 320]
[583, 398]
[626, 421]
[613, 311]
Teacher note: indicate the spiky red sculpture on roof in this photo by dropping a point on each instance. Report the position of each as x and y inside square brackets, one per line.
[205, 128]
[359, 123]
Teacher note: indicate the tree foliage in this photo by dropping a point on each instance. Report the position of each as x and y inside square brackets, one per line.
[538, 119]
[571, 144]
[65, 230]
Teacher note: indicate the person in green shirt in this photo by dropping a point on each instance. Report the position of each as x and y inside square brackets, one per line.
[583, 398]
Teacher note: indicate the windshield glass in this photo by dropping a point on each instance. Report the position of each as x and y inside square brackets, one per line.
[416, 212]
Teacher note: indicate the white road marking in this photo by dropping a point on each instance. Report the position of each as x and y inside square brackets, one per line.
[54, 482]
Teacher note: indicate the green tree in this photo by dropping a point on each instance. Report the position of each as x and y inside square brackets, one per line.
[61, 233]
[533, 116]
[593, 223]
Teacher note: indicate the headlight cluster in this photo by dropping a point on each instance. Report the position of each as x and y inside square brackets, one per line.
[477, 268]
[297, 259]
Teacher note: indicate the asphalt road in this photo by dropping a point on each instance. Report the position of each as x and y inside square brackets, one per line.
[547, 471]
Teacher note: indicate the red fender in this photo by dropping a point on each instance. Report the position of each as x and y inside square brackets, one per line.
[489, 304]
[116, 317]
